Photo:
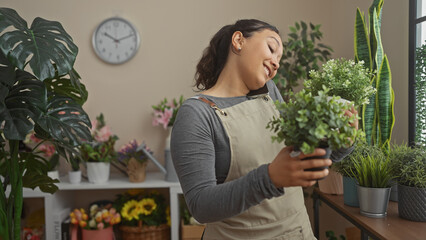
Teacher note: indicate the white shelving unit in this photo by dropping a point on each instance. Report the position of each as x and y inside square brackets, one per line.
[63, 199]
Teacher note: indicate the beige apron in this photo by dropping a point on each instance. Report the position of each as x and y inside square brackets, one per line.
[283, 217]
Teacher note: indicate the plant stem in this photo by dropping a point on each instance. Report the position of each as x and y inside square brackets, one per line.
[15, 197]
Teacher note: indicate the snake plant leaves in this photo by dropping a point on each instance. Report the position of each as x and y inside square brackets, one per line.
[378, 56]
[361, 43]
[66, 121]
[43, 44]
[369, 117]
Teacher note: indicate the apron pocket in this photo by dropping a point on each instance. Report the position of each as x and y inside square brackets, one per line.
[294, 234]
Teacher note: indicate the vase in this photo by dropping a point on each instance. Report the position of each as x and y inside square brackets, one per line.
[412, 203]
[350, 193]
[171, 175]
[136, 170]
[74, 177]
[98, 172]
[373, 202]
[332, 184]
[102, 234]
[53, 174]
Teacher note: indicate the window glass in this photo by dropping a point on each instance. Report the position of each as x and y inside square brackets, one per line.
[421, 8]
[420, 86]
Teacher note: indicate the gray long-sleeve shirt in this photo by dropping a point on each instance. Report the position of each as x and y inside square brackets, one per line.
[201, 155]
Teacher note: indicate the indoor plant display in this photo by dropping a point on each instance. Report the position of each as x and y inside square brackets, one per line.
[373, 174]
[74, 175]
[309, 121]
[97, 224]
[134, 160]
[344, 78]
[410, 167]
[99, 153]
[144, 215]
[40, 91]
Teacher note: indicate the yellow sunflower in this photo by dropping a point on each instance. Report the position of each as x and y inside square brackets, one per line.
[130, 210]
[147, 206]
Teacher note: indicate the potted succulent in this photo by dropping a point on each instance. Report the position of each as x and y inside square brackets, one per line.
[134, 160]
[344, 78]
[373, 173]
[308, 122]
[99, 153]
[40, 91]
[410, 167]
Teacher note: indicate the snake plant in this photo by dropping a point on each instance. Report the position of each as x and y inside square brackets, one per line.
[378, 116]
[40, 91]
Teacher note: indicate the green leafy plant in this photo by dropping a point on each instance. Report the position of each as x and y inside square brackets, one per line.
[308, 122]
[330, 236]
[344, 78]
[420, 88]
[302, 52]
[409, 165]
[372, 170]
[102, 148]
[378, 115]
[40, 91]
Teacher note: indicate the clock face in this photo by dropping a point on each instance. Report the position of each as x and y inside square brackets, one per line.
[115, 40]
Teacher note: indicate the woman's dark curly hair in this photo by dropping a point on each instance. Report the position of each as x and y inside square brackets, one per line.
[215, 55]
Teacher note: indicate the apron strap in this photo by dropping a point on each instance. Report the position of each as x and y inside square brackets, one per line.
[212, 105]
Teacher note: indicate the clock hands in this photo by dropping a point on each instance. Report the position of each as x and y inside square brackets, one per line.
[125, 37]
[115, 40]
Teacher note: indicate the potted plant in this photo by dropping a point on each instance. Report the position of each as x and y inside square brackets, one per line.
[144, 215]
[99, 153]
[190, 228]
[97, 223]
[344, 78]
[165, 114]
[308, 122]
[39, 91]
[373, 174]
[134, 160]
[74, 175]
[410, 167]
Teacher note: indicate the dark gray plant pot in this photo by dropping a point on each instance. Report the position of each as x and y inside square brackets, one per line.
[327, 155]
[373, 202]
[412, 203]
[350, 194]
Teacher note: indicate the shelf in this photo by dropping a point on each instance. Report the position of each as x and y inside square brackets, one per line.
[29, 193]
[118, 181]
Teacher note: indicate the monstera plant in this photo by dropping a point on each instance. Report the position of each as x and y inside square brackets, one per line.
[40, 91]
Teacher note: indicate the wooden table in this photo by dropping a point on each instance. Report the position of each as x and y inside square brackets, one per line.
[389, 227]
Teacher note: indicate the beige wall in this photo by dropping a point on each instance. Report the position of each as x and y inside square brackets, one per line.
[173, 35]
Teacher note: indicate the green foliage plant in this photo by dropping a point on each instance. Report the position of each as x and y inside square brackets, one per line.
[420, 98]
[307, 122]
[409, 165]
[344, 78]
[377, 117]
[302, 52]
[330, 236]
[40, 91]
[372, 170]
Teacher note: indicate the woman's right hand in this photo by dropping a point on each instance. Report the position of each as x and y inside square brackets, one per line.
[287, 171]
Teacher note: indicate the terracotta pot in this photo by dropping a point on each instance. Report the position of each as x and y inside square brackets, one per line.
[136, 170]
[103, 234]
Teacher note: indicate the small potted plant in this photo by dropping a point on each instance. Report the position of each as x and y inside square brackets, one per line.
[308, 122]
[134, 160]
[345, 78]
[410, 167]
[373, 174]
[144, 215]
[97, 224]
[74, 175]
[99, 153]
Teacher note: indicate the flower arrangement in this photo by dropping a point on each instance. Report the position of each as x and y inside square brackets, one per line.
[44, 149]
[102, 149]
[99, 217]
[307, 122]
[165, 112]
[138, 207]
[129, 151]
[344, 78]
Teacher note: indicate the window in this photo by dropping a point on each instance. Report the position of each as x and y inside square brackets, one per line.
[417, 73]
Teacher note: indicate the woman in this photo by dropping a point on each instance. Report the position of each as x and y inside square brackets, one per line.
[232, 175]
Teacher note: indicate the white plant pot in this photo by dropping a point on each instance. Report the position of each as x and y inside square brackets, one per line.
[53, 174]
[98, 172]
[74, 177]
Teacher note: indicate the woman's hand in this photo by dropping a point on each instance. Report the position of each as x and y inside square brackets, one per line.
[287, 171]
[351, 113]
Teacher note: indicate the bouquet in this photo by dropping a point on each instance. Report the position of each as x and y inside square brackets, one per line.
[134, 161]
[44, 149]
[165, 112]
[138, 208]
[102, 148]
[99, 217]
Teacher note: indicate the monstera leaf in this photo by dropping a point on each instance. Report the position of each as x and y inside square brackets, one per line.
[68, 86]
[45, 43]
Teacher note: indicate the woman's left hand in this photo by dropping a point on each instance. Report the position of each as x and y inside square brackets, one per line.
[350, 113]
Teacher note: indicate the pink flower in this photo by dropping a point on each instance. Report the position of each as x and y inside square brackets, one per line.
[165, 119]
[103, 134]
[48, 150]
[94, 125]
[101, 226]
[34, 139]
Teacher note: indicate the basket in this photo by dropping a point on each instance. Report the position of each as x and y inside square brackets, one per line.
[161, 232]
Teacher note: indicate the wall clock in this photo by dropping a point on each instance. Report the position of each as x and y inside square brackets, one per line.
[115, 40]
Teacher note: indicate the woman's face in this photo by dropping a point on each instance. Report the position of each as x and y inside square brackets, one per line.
[259, 58]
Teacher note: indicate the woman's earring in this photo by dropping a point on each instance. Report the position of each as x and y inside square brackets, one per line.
[239, 49]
